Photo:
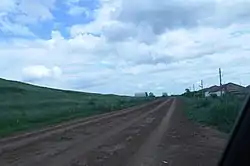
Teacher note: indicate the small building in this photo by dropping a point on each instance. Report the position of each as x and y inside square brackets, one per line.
[164, 94]
[226, 88]
[215, 91]
[141, 94]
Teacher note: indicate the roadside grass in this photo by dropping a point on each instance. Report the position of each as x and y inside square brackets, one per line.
[218, 112]
[25, 107]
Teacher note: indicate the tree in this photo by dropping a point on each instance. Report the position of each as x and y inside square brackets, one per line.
[188, 93]
[151, 94]
[214, 95]
[187, 90]
[164, 94]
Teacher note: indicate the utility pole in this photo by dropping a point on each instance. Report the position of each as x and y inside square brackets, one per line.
[201, 86]
[193, 90]
[220, 77]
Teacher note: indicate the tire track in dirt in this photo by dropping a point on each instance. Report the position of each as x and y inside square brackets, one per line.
[147, 154]
[72, 156]
[18, 141]
[189, 144]
[55, 145]
[157, 134]
[121, 147]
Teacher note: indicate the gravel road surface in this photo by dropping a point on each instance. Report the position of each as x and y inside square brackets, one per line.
[153, 134]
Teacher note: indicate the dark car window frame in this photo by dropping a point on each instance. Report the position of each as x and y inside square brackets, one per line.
[237, 152]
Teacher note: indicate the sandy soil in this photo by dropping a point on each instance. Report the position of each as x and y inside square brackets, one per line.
[153, 134]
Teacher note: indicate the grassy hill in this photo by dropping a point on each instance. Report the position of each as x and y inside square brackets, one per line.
[25, 107]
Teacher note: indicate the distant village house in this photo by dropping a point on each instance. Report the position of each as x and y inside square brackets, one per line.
[227, 88]
[215, 90]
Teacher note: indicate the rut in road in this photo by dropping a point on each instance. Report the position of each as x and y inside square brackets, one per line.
[27, 138]
[154, 134]
[120, 148]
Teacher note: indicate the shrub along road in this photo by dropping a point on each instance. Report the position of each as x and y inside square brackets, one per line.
[218, 112]
[153, 134]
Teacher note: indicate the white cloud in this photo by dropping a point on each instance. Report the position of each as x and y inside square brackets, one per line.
[103, 17]
[137, 46]
[15, 15]
[7, 5]
[162, 15]
[76, 9]
[28, 11]
[34, 11]
[39, 72]
[14, 28]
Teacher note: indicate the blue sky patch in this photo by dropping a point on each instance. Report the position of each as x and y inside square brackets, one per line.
[62, 20]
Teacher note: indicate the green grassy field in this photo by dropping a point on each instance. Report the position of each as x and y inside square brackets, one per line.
[218, 112]
[26, 107]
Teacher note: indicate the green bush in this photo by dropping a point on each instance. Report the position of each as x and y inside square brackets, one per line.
[224, 115]
[219, 112]
[91, 102]
[203, 103]
[214, 95]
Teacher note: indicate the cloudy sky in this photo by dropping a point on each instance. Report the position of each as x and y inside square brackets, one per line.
[125, 46]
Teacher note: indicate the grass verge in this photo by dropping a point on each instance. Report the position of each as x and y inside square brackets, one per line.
[25, 107]
[218, 112]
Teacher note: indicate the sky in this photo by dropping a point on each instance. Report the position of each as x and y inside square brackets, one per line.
[125, 46]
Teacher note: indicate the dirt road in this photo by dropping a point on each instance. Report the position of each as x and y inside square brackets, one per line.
[153, 134]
